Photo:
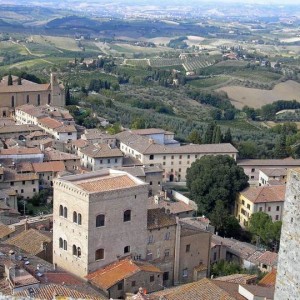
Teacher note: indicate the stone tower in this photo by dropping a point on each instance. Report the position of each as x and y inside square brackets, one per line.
[288, 271]
[57, 91]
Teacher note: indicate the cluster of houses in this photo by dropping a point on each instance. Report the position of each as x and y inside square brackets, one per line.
[117, 225]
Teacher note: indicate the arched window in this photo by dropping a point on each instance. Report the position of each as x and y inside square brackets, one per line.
[65, 245]
[61, 210]
[39, 99]
[49, 98]
[126, 249]
[61, 243]
[74, 216]
[79, 219]
[127, 215]
[27, 99]
[74, 250]
[12, 101]
[100, 220]
[79, 252]
[99, 254]
[65, 212]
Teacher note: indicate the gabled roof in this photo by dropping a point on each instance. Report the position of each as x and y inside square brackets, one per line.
[30, 240]
[274, 172]
[50, 166]
[52, 154]
[264, 194]
[50, 123]
[19, 128]
[101, 151]
[238, 278]
[20, 151]
[11, 175]
[5, 231]
[110, 275]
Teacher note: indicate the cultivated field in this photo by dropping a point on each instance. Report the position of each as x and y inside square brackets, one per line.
[256, 98]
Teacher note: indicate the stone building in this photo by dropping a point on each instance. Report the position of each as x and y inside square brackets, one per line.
[288, 271]
[98, 217]
[29, 92]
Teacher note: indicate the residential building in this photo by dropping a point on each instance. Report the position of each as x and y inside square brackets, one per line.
[47, 171]
[252, 166]
[288, 271]
[161, 242]
[71, 161]
[97, 136]
[18, 131]
[97, 218]
[17, 155]
[5, 232]
[239, 278]
[29, 93]
[100, 156]
[60, 131]
[25, 185]
[126, 276]
[268, 199]
[272, 176]
[174, 160]
[264, 260]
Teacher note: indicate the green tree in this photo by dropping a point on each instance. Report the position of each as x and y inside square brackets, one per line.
[208, 137]
[194, 137]
[213, 178]
[19, 80]
[9, 80]
[217, 136]
[264, 230]
[114, 129]
[224, 268]
[228, 136]
[247, 149]
[280, 150]
[138, 123]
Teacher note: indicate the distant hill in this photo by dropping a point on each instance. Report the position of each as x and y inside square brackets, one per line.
[73, 22]
[5, 24]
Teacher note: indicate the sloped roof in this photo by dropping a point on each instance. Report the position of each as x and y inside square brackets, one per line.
[50, 166]
[269, 162]
[50, 123]
[20, 151]
[101, 151]
[238, 278]
[5, 230]
[269, 280]
[264, 194]
[10, 175]
[110, 275]
[204, 289]
[52, 154]
[274, 172]
[19, 128]
[158, 218]
[47, 292]
[29, 241]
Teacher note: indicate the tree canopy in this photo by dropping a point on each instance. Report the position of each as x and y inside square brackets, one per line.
[213, 178]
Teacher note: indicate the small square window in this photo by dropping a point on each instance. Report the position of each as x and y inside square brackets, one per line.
[120, 286]
[188, 156]
[164, 157]
[151, 278]
[172, 157]
[133, 283]
[151, 157]
[269, 208]
[277, 218]
[23, 182]
[277, 208]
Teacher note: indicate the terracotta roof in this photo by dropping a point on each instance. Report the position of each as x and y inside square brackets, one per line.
[203, 289]
[264, 194]
[50, 123]
[101, 151]
[25, 166]
[107, 183]
[268, 258]
[51, 154]
[174, 207]
[50, 166]
[20, 151]
[238, 278]
[80, 143]
[269, 162]
[158, 218]
[10, 175]
[66, 128]
[147, 146]
[19, 128]
[148, 131]
[5, 231]
[47, 292]
[30, 241]
[188, 229]
[108, 276]
[269, 280]
[36, 134]
[274, 172]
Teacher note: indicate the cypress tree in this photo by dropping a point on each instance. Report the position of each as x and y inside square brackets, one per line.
[9, 80]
